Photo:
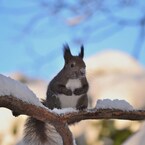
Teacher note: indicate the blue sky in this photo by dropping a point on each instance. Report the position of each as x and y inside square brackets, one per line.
[31, 40]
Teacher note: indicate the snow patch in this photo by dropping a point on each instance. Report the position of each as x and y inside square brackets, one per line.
[74, 142]
[10, 87]
[64, 110]
[113, 104]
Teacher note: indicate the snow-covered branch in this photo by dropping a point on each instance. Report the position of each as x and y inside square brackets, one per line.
[21, 100]
[104, 114]
[18, 98]
[44, 114]
[38, 112]
[61, 119]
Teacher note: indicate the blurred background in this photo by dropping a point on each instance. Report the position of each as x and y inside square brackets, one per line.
[32, 34]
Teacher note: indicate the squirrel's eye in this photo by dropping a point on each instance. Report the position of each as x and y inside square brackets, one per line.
[72, 65]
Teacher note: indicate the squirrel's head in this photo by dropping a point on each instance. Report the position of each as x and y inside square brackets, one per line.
[74, 65]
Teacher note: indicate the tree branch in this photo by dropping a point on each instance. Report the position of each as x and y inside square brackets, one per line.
[39, 113]
[104, 114]
[25, 108]
[61, 121]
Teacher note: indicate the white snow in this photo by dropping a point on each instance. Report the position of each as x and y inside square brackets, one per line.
[74, 142]
[113, 104]
[16, 89]
[64, 110]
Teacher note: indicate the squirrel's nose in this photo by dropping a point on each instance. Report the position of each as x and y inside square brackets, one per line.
[83, 71]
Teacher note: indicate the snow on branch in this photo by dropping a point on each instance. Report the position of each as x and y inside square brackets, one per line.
[44, 114]
[38, 112]
[11, 87]
[18, 98]
[104, 114]
[21, 100]
[114, 104]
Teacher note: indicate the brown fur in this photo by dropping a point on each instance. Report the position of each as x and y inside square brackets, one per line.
[72, 70]
[40, 133]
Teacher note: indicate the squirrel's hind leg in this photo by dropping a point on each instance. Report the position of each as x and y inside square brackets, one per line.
[82, 102]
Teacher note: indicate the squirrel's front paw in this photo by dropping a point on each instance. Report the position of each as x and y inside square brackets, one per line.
[77, 92]
[68, 92]
[16, 114]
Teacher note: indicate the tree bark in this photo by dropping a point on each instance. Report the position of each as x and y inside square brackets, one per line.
[61, 121]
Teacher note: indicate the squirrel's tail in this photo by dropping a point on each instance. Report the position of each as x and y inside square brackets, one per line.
[39, 133]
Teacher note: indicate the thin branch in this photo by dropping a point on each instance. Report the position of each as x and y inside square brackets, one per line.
[104, 114]
[33, 22]
[139, 42]
[65, 133]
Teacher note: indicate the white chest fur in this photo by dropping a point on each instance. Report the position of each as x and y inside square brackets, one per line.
[72, 84]
[70, 101]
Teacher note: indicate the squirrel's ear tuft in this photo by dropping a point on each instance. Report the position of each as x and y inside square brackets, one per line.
[81, 54]
[67, 53]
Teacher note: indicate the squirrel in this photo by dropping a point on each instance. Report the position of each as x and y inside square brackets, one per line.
[68, 89]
